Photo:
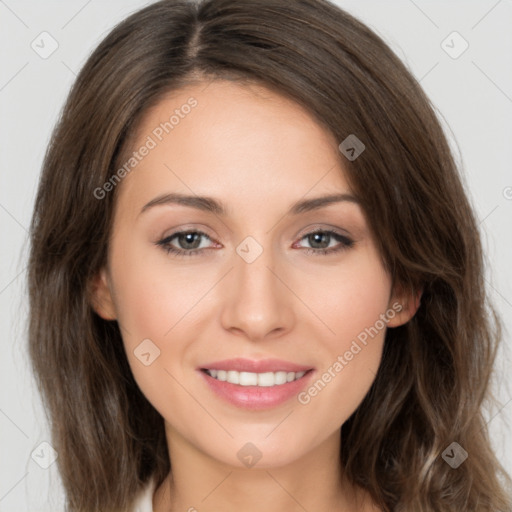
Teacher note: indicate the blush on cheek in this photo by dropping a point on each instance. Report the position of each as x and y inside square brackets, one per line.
[145, 307]
[355, 315]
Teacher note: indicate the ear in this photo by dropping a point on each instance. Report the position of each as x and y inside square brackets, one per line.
[404, 304]
[101, 296]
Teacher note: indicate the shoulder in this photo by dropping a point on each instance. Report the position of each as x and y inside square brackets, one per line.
[144, 499]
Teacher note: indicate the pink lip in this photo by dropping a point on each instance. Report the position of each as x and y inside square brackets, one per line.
[240, 364]
[256, 397]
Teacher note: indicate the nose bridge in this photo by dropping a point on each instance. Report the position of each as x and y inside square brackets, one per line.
[258, 302]
[253, 272]
[254, 264]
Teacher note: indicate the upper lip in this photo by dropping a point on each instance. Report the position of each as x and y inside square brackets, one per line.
[240, 364]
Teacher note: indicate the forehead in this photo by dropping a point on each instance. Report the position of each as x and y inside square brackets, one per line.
[236, 141]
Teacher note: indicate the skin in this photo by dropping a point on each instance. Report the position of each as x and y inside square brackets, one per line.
[258, 153]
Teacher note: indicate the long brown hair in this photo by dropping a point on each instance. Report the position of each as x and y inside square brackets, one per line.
[434, 378]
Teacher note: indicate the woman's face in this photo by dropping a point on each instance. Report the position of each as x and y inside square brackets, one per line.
[251, 282]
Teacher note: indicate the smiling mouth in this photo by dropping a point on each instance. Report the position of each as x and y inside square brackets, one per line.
[265, 379]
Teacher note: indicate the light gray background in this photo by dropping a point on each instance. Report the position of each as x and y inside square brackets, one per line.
[473, 94]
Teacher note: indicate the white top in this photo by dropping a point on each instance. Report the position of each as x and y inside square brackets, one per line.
[144, 500]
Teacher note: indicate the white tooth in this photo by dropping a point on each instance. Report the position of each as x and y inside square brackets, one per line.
[280, 378]
[266, 379]
[233, 377]
[248, 379]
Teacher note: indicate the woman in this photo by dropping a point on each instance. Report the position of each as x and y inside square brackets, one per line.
[255, 369]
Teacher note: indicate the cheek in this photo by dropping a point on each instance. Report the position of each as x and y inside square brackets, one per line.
[351, 305]
[154, 302]
[153, 295]
[349, 299]
[154, 306]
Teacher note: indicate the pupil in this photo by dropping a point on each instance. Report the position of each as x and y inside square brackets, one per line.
[317, 236]
[188, 240]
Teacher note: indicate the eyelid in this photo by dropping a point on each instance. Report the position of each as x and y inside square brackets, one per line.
[308, 230]
[200, 228]
[165, 239]
[313, 228]
[344, 242]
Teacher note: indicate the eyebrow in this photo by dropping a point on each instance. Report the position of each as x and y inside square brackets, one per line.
[211, 205]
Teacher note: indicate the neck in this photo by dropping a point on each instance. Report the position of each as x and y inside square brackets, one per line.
[200, 483]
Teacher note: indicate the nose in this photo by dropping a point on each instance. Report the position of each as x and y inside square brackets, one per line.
[258, 303]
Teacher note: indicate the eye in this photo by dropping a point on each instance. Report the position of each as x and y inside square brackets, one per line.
[189, 242]
[323, 238]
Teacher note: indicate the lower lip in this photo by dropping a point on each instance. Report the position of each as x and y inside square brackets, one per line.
[256, 397]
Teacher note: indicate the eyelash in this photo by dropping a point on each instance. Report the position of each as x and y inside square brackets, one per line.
[345, 243]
